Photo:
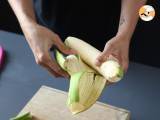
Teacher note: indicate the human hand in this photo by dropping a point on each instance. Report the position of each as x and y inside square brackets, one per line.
[117, 47]
[40, 40]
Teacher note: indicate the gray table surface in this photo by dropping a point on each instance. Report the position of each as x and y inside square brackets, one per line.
[138, 92]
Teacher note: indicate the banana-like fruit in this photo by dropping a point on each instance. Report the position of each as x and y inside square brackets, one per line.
[86, 83]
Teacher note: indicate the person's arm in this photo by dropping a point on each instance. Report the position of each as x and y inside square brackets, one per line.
[24, 12]
[40, 38]
[118, 46]
[129, 16]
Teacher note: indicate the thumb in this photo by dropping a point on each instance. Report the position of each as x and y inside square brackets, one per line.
[62, 47]
[102, 57]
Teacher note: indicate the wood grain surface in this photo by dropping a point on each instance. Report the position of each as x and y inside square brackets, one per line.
[50, 104]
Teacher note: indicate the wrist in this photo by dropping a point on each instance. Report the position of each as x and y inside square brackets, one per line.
[29, 29]
[126, 30]
[27, 23]
[123, 37]
[28, 26]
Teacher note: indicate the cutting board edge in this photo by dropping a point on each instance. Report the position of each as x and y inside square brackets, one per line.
[100, 103]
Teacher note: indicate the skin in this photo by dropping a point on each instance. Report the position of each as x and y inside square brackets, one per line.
[41, 39]
[118, 46]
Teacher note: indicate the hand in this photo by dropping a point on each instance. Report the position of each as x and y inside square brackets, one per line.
[118, 47]
[41, 39]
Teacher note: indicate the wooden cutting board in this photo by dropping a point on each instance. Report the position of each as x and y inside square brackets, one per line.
[50, 104]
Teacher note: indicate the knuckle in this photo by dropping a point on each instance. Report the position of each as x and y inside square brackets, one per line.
[101, 59]
[40, 60]
[56, 35]
[103, 56]
[110, 45]
[42, 57]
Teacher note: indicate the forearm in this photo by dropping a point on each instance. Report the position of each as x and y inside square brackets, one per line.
[129, 16]
[24, 12]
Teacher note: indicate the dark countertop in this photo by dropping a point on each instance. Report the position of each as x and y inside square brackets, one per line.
[22, 77]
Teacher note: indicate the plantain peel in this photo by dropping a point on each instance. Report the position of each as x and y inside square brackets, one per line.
[26, 116]
[86, 85]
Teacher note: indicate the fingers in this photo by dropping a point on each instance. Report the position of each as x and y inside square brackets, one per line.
[61, 46]
[108, 83]
[51, 71]
[104, 55]
[101, 58]
[47, 62]
[125, 64]
[53, 65]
